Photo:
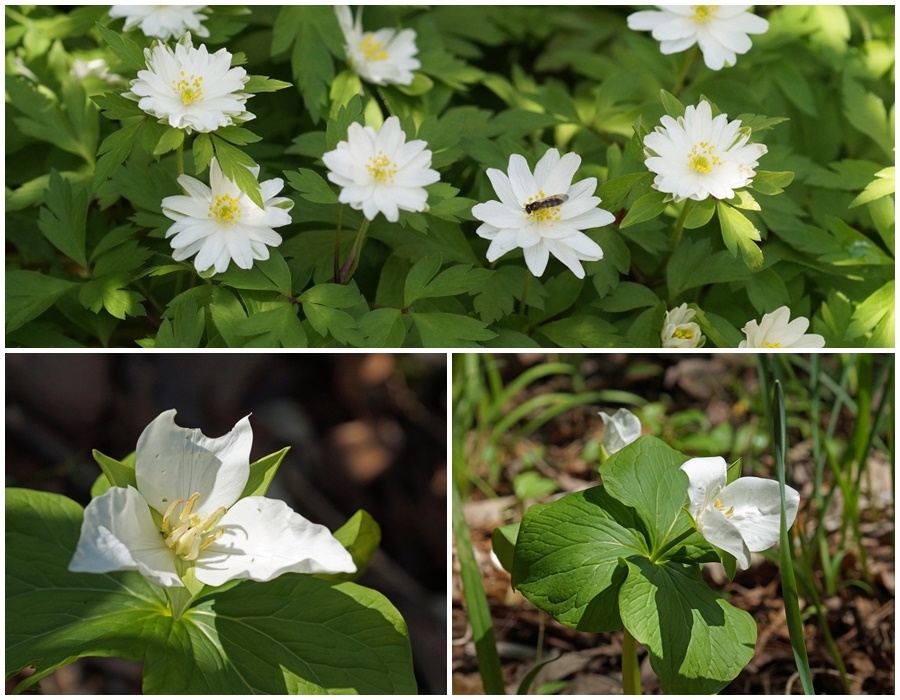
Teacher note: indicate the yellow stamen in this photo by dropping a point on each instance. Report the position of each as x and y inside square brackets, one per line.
[704, 14]
[193, 533]
[683, 334]
[549, 215]
[225, 209]
[772, 345]
[702, 158]
[190, 90]
[373, 50]
[382, 168]
[721, 507]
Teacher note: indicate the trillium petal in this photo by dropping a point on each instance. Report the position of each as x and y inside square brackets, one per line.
[757, 509]
[174, 462]
[722, 532]
[706, 477]
[619, 429]
[118, 534]
[263, 538]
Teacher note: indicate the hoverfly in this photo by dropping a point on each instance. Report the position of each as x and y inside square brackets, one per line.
[547, 202]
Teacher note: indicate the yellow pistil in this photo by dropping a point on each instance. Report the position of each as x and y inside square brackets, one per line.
[225, 209]
[382, 169]
[683, 334]
[189, 89]
[702, 158]
[373, 50]
[704, 14]
[193, 533]
[549, 215]
[721, 507]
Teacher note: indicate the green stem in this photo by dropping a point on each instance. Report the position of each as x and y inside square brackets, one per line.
[337, 244]
[631, 669]
[355, 254]
[522, 301]
[179, 600]
[179, 159]
[685, 68]
[679, 225]
[384, 99]
[655, 556]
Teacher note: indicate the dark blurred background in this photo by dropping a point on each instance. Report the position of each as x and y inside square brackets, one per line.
[365, 430]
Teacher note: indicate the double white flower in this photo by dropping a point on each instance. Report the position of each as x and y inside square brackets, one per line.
[382, 57]
[697, 156]
[187, 515]
[162, 21]
[720, 30]
[680, 330]
[190, 88]
[776, 330]
[544, 213]
[741, 517]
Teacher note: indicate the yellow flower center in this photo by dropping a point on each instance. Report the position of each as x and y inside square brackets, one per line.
[192, 533]
[225, 209]
[189, 89]
[373, 50]
[772, 345]
[683, 334]
[382, 169]
[545, 214]
[721, 508]
[702, 158]
[704, 14]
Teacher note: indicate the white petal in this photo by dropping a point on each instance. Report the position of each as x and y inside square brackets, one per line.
[706, 477]
[118, 534]
[757, 509]
[721, 532]
[619, 429]
[263, 539]
[174, 462]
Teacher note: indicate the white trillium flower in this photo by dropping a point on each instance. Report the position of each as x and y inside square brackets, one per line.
[162, 21]
[190, 88]
[544, 213]
[619, 429]
[383, 57]
[220, 223]
[680, 330]
[741, 517]
[380, 172]
[721, 30]
[696, 156]
[186, 513]
[776, 330]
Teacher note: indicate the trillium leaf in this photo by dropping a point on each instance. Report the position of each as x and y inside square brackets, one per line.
[698, 642]
[118, 473]
[503, 542]
[361, 536]
[568, 556]
[262, 471]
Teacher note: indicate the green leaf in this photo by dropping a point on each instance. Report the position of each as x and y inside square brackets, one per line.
[419, 276]
[700, 213]
[262, 471]
[445, 330]
[124, 48]
[236, 166]
[169, 141]
[628, 296]
[673, 106]
[277, 270]
[360, 536]
[882, 186]
[203, 152]
[771, 183]
[29, 294]
[582, 332]
[740, 234]
[383, 328]
[698, 642]
[119, 473]
[646, 207]
[108, 292]
[237, 135]
[503, 542]
[262, 83]
[114, 150]
[867, 113]
[567, 558]
[311, 186]
[64, 217]
[876, 308]
[114, 106]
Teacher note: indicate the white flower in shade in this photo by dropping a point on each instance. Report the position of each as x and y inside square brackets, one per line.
[187, 513]
[721, 30]
[380, 172]
[162, 21]
[776, 330]
[190, 88]
[742, 517]
[544, 213]
[619, 429]
[95, 67]
[696, 156]
[680, 330]
[382, 57]
[220, 223]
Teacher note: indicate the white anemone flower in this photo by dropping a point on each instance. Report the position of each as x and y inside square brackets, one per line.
[776, 330]
[741, 517]
[186, 513]
[220, 223]
[720, 30]
[383, 57]
[190, 88]
[380, 172]
[162, 21]
[696, 156]
[544, 213]
[619, 429]
[680, 330]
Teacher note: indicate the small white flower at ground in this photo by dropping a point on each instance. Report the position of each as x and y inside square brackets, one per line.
[680, 330]
[776, 330]
[742, 517]
[383, 57]
[379, 171]
[162, 21]
[544, 213]
[696, 156]
[220, 223]
[190, 88]
[95, 67]
[619, 429]
[720, 30]
[187, 513]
